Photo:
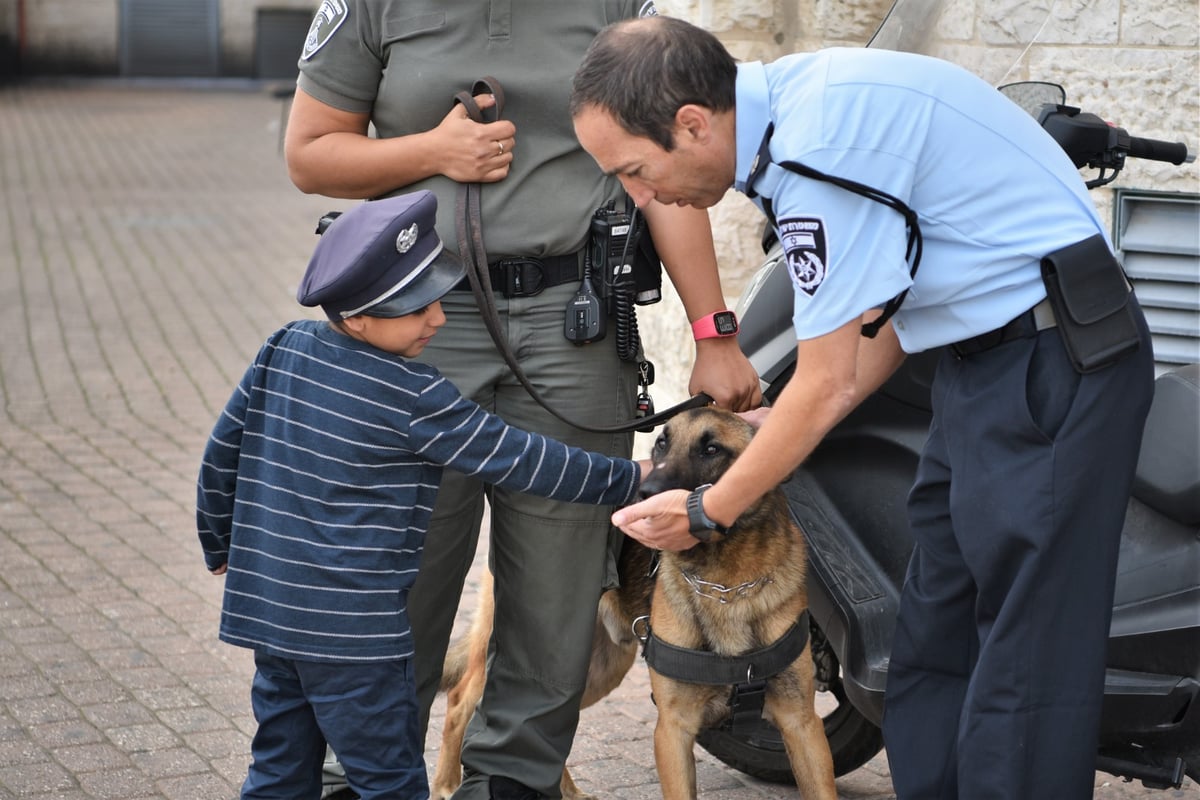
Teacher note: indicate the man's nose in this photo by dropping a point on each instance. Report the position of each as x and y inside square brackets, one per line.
[640, 192]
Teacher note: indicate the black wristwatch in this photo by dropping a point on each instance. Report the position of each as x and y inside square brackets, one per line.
[700, 524]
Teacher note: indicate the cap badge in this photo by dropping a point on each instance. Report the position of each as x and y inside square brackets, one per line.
[407, 238]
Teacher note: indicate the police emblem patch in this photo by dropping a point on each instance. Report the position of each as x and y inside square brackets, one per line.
[803, 241]
[329, 17]
[648, 9]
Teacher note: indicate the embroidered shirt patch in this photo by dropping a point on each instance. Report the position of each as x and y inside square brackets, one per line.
[803, 241]
[648, 9]
[329, 18]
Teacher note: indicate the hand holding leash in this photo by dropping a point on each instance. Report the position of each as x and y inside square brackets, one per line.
[474, 150]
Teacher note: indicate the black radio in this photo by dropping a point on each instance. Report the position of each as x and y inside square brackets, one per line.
[621, 270]
[611, 249]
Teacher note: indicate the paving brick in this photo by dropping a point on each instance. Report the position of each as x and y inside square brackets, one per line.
[30, 779]
[91, 758]
[153, 240]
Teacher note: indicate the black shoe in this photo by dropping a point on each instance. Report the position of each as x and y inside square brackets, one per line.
[502, 788]
[345, 793]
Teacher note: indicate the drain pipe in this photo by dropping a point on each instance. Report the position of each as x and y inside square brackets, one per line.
[20, 34]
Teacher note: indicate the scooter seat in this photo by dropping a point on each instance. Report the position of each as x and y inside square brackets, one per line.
[1168, 470]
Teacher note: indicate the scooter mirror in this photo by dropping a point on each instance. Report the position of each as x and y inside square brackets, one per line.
[1032, 95]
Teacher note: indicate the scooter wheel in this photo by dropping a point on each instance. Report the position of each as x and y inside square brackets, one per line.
[853, 740]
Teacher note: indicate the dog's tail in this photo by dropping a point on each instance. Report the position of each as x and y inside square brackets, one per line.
[455, 665]
[474, 644]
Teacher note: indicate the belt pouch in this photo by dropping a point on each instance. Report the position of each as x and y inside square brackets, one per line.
[1090, 296]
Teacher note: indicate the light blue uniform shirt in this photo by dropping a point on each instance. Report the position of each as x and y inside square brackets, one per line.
[993, 191]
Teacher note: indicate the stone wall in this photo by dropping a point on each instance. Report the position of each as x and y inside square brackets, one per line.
[1132, 62]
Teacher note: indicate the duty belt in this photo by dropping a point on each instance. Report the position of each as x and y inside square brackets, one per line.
[1038, 318]
[528, 276]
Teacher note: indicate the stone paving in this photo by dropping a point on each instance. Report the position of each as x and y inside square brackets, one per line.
[149, 241]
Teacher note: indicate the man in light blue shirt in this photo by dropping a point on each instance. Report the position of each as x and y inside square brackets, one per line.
[916, 206]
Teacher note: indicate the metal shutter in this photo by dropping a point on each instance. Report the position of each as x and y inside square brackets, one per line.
[170, 38]
[279, 38]
[1157, 236]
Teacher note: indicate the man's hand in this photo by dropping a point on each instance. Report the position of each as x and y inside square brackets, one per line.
[756, 417]
[724, 373]
[220, 570]
[659, 522]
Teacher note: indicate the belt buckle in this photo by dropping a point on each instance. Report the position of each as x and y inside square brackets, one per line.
[522, 277]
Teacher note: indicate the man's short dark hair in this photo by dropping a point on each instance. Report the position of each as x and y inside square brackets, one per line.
[643, 71]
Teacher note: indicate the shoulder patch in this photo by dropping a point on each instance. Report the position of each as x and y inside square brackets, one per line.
[329, 17]
[648, 9]
[804, 248]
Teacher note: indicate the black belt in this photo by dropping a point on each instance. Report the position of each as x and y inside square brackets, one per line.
[527, 276]
[1038, 318]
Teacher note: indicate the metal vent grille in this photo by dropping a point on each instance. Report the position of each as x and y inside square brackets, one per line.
[1157, 236]
[170, 38]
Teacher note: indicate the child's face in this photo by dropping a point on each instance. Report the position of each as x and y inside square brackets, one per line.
[404, 336]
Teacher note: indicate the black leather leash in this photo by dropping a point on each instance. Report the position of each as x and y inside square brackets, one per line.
[471, 249]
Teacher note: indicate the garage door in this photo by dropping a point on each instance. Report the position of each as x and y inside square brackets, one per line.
[170, 38]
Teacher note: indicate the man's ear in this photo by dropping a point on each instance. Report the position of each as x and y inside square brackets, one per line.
[694, 123]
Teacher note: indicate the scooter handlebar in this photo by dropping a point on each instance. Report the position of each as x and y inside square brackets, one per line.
[1158, 150]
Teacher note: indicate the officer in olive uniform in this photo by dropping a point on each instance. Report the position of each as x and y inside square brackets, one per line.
[397, 66]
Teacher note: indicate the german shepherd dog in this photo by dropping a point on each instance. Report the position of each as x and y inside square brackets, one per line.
[733, 595]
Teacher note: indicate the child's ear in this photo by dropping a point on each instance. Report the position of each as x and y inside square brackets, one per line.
[356, 323]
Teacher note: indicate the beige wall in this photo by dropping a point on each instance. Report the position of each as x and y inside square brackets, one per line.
[67, 32]
[82, 36]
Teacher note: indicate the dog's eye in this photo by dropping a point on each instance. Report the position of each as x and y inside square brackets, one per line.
[660, 443]
[710, 450]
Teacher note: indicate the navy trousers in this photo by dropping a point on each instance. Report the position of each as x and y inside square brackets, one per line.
[366, 712]
[997, 670]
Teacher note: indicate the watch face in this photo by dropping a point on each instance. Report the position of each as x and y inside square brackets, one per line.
[725, 323]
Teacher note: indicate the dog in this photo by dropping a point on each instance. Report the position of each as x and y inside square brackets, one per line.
[734, 595]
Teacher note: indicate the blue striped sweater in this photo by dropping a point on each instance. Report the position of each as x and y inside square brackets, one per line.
[318, 481]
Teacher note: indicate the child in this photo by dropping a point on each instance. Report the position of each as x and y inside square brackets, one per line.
[315, 494]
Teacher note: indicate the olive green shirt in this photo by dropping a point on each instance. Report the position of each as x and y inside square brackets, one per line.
[404, 60]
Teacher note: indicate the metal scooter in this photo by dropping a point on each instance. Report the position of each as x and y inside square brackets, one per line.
[849, 497]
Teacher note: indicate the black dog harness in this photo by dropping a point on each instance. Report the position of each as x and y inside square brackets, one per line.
[747, 673]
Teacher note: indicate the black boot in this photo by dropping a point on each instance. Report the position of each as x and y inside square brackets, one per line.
[502, 788]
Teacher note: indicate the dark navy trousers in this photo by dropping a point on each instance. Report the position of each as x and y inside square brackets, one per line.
[997, 670]
[366, 712]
